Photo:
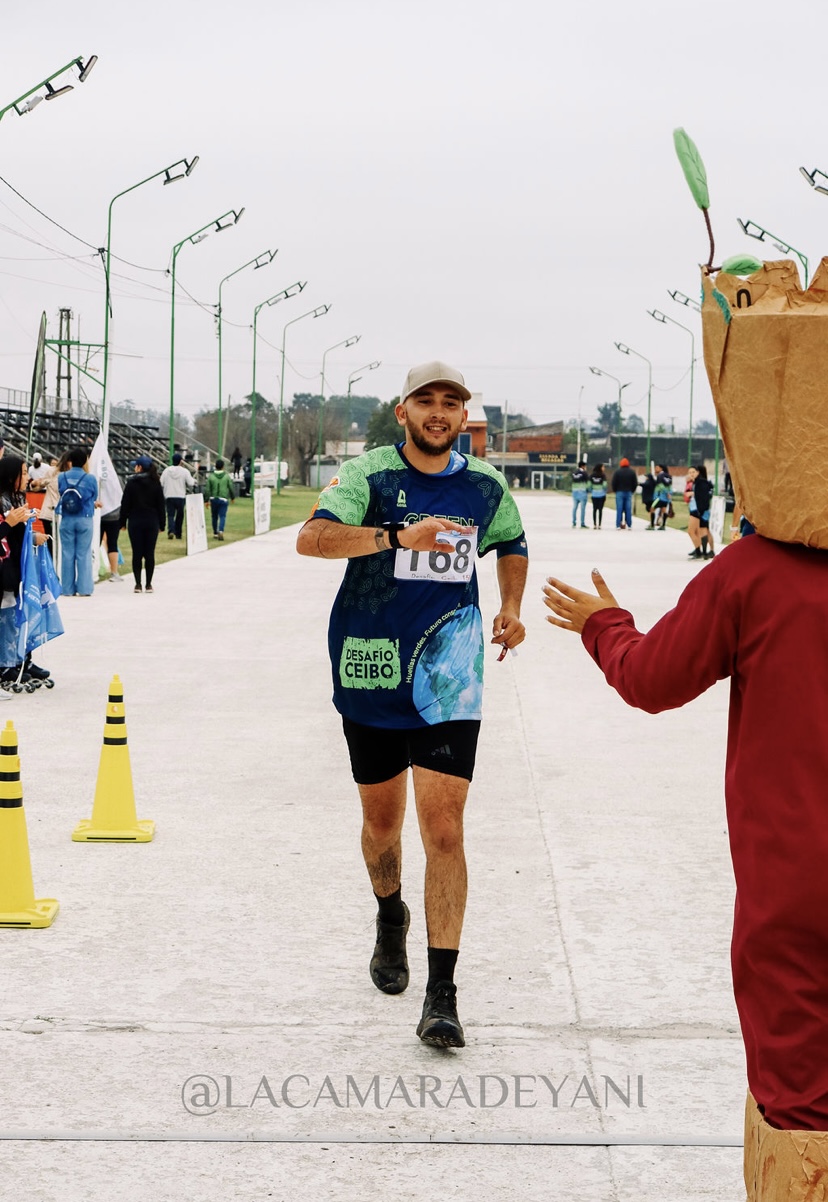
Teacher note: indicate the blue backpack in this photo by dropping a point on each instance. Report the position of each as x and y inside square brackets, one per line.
[71, 501]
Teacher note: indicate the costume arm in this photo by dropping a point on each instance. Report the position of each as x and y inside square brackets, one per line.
[687, 651]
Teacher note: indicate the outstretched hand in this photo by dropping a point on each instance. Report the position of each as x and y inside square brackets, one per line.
[571, 607]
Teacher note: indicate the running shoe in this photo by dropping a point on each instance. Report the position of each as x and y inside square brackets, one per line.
[440, 1027]
[389, 964]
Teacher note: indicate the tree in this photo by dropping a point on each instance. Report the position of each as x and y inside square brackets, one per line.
[514, 421]
[302, 432]
[236, 424]
[634, 424]
[383, 429]
[704, 427]
[608, 418]
[355, 411]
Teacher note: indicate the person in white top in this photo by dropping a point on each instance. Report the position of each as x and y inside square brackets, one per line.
[176, 482]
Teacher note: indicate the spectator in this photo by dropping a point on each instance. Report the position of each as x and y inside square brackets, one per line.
[702, 492]
[580, 479]
[248, 476]
[598, 487]
[38, 473]
[142, 516]
[624, 484]
[176, 482]
[110, 529]
[662, 505]
[647, 493]
[76, 507]
[14, 513]
[220, 495]
[47, 509]
[236, 460]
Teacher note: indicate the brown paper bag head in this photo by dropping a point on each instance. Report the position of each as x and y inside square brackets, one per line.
[766, 353]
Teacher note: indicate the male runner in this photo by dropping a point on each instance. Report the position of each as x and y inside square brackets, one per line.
[406, 646]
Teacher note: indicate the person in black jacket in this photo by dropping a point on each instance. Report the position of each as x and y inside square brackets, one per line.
[624, 484]
[702, 492]
[143, 515]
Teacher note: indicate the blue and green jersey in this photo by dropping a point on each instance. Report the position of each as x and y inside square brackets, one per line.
[406, 635]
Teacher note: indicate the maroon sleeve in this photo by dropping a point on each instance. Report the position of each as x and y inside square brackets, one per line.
[686, 652]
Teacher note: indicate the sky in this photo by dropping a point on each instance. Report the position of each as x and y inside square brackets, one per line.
[487, 184]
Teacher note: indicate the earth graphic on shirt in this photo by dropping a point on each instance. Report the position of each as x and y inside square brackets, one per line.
[448, 679]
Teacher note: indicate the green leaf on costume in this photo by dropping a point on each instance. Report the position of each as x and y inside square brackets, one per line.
[741, 265]
[693, 167]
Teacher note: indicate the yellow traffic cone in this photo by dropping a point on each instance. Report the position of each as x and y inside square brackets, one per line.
[18, 907]
[113, 812]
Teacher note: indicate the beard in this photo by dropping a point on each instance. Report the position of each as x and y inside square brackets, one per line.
[429, 447]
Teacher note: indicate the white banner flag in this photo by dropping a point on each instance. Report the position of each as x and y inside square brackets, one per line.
[103, 469]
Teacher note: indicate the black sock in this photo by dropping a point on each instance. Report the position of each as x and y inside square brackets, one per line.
[704, 544]
[441, 965]
[390, 909]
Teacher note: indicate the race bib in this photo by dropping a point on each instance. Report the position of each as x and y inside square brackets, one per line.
[450, 565]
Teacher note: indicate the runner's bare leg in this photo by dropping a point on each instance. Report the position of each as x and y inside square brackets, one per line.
[383, 811]
[440, 801]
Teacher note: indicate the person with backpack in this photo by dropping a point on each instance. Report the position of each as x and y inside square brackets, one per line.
[78, 499]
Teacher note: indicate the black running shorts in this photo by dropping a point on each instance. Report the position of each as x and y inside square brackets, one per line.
[379, 754]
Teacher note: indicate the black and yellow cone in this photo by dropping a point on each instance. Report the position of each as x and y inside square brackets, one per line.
[113, 812]
[18, 907]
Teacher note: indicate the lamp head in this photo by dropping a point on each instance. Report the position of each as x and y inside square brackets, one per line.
[596, 371]
[351, 341]
[320, 311]
[657, 314]
[625, 350]
[53, 93]
[198, 238]
[266, 257]
[30, 104]
[85, 71]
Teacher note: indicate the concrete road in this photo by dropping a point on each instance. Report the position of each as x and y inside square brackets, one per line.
[210, 990]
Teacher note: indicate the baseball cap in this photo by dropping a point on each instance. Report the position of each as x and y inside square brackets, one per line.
[433, 373]
[624, 463]
[177, 457]
[37, 457]
[143, 461]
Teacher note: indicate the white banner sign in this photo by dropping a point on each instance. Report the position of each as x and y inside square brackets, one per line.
[196, 526]
[261, 510]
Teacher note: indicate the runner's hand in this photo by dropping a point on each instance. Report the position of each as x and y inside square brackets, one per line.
[508, 630]
[573, 607]
[425, 535]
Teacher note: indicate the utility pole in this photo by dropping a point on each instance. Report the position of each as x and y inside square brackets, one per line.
[64, 368]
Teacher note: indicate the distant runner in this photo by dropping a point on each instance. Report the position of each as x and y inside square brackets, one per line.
[406, 646]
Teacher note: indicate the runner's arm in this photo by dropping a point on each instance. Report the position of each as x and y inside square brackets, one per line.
[325, 538]
[507, 628]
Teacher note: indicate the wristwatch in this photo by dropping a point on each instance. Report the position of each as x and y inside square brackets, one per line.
[393, 529]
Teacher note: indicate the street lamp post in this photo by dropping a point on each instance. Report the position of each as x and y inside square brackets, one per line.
[755, 231]
[28, 101]
[176, 171]
[262, 260]
[811, 177]
[597, 371]
[285, 294]
[681, 298]
[352, 379]
[627, 350]
[217, 225]
[662, 317]
[352, 341]
[319, 311]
